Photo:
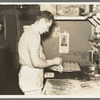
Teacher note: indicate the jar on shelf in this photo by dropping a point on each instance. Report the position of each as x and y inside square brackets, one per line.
[92, 69]
[95, 56]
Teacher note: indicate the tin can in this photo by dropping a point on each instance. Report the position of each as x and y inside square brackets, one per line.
[92, 68]
[91, 55]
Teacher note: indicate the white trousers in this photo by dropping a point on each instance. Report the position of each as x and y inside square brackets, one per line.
[27, 82]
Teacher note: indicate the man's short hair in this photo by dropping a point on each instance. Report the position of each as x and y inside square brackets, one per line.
[45, 14]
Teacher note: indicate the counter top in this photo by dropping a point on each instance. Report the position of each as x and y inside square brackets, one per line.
[72, 87]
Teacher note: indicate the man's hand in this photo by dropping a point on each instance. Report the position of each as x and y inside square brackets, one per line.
[58, 68]
[57, 60]
[56, 64]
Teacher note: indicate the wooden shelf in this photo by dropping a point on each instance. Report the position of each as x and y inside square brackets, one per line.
[70, 18]
[96, 40]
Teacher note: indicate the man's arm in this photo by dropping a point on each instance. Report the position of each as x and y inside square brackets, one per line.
[41, 63]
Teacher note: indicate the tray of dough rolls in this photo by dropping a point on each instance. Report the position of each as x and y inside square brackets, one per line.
[71, 67]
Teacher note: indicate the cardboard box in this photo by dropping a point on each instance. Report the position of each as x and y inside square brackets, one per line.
[69, 10]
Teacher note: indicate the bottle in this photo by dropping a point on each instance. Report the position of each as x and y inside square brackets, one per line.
[95, 56]
[91, 55]
[92, 69]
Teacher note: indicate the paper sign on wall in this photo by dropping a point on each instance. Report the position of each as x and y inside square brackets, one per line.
[64, 42]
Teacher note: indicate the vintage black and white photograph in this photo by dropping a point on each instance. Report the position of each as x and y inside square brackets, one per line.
[50, 49]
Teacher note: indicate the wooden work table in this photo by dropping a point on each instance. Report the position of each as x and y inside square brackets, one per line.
[71, 84]
[72, 87]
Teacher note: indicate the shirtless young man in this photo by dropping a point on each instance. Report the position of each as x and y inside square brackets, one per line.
[31, 56]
